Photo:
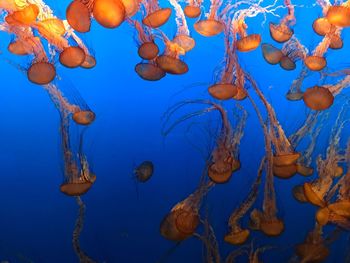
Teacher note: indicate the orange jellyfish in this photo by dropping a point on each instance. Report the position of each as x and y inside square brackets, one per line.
[222, 161]
[282, 32]
[182, 37]
[317, 61]
[212, 25]
[314, 248]
[292, 51]
[23, 17]
[284, 154]
[295, 93]
[181, 222]
[318, 98]
[339, 15]
[271, 54]
[79, 14]
[155, 15]
[147, 48]
[230, 83]
[78, 178]
[337, 212]
[193, 8]
[109, 13]
[149, 71]
[210, 243]
[328, 168]
[237, 235]
[170, 61]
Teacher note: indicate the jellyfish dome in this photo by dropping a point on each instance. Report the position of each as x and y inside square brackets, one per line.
[149, 71]
[318, 98]
[84, 117]
[109, 13]
[157, 18]
[192, 11]
[271, 54]
[41, 73]
[223, 91]
[209, 27]
[280, 33]
[339, 15]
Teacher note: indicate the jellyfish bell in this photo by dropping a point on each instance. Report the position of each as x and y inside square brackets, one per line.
[248, 43]
[221, 171]
[341, 208]
[285, 159]
[76, 188]
[41, 73]
[84, 117]
[339, 15]
[298, 193]
[285, 172]
[322, 216]
[187, 222]
[72, 57]
[294, 96]
[338, 171]
[272, 227]
[78, 16]
[149, 71]
[241, 93]
[192, 11]
[131, 7]
[157, 18]
[185, 42]
[144, 171]
[209, 27]
[336, 42]
[304, 170]
[169, 230]
[25, 16]
[287, 63]
[315, 63]
[318, 98]
[271, 54]
[321, 26]
[148, 50]
[223, 91]
[89, 62]
[172, 65]
[312, 197]
[237, 237]
[109, 13]
[280, 32]
[17, 47]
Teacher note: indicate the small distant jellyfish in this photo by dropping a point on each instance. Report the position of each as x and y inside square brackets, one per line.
[193, 8]
[144, 171]
[271, 54]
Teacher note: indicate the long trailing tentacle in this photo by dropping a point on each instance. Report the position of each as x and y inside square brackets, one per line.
[83, 258]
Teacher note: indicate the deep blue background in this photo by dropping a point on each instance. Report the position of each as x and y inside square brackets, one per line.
[37, 220]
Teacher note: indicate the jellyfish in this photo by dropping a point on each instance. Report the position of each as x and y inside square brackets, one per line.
[210, 243]
[170, 61]
[237, 235]
[212, 25]
[149, 71]
[295, 93]
[182, 37]
[230, 83]
[223, 160]
[337, 212]
[155, 15]
[282, 32]
[181, 222]
[23, 17]
[147, 48]
[193, 8]
[292, 51]
[83, 257]
[318, 98]
[109, 13]
[317, 61]
[327, 168]
[314, 248]
[339, 15]
[144, 171]
[78, 177]
[271, 54]
[79, 14]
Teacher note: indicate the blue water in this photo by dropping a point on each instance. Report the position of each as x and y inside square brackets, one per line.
[37, 220]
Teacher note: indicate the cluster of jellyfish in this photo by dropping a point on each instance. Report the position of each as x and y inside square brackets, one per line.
[33, 24]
